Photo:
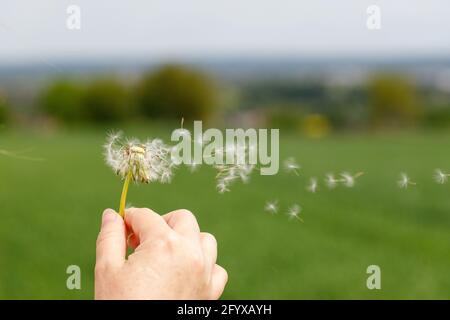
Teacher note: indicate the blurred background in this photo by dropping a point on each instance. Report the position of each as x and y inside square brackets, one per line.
[344, 95]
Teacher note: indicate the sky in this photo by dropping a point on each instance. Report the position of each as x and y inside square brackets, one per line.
[158, 29]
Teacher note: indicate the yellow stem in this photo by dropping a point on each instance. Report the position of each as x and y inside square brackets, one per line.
[123, 197]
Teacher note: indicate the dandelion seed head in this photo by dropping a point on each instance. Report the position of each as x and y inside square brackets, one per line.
[147, 162]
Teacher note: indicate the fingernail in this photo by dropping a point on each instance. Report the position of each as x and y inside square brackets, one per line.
[108, 216]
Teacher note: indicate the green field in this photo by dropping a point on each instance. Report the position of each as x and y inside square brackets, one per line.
[50, 215]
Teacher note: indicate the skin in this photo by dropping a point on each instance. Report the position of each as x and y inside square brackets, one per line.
[172, 259]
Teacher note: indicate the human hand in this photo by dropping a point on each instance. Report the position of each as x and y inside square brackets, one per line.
[172, 258]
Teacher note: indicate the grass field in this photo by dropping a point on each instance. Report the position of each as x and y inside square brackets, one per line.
[50, 215]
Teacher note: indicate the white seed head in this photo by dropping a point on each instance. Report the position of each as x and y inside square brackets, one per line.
[313, 185]
[347, 179]
[294, 211]
[146, 162]
[331, 181]
[404, 181]
[239, 169]
[440, 176]
[290, 165]
[271, 207]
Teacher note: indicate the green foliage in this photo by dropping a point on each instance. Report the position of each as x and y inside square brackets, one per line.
[106, 100]
[285, 117]
[175, 92]
[438, 117]
[63, 101]
[393, 100]
[4, 111]
[100, 101]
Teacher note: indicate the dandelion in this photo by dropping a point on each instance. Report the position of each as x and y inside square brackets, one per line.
[313, 185]
[441, 176]
[290, 165]
[405, 181]
[138, 162]
[271, 207]
[294, 211]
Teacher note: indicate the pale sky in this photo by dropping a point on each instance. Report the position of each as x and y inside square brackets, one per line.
[183, 28]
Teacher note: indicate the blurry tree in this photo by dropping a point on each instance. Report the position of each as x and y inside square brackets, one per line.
[316, 125]
[438, 116]
[393, 100]
[175, 91]
[106, 100]
[4, 111]
[284, 116]
[62, 100]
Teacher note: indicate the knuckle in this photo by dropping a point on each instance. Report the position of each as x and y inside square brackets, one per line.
[209, 238]
[168, 241]
[185, 213]
[145, 211]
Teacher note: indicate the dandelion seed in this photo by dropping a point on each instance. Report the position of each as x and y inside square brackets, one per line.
[349, 180]
[440, 176]
[138, 162]
[405, 181]
[331, 181]
[238, 169]
[271, 207]
[313, 185]
[294, 211]
[290, 165]
[222, 187]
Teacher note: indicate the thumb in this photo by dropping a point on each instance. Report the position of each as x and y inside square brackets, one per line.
[111, 241]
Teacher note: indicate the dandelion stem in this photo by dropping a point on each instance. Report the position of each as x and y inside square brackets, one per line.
[123, 197]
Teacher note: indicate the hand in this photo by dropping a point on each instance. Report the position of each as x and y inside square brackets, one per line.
[172, 258]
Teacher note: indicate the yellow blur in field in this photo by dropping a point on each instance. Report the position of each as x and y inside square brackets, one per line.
[316, 126]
